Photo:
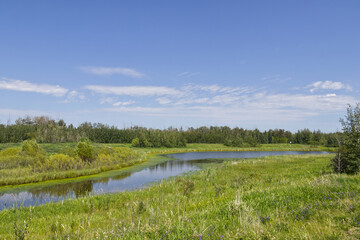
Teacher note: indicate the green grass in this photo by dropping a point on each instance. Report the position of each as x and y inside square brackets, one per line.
[52, 148]
[278, 197]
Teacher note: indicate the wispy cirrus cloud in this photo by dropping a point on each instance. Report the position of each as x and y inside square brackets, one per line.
[327, 85]
[130, 72]
[134, 90]
[225, 104]
[74, 96]
[187, 74]
[215, 88]
[25, 86]
[259, 107]
[123, 103]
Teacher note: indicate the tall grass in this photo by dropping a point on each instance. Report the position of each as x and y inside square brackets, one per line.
[278, 197]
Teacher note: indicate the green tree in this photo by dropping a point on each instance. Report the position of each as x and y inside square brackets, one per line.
[347, 160]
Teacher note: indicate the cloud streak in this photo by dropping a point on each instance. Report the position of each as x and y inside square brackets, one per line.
[103, 71]
[136, 91]
[234, 105]
[25, 86]
[123, 103]
[187, 74]
[328, 85]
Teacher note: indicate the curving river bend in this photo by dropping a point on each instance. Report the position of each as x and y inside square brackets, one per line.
[178, 164]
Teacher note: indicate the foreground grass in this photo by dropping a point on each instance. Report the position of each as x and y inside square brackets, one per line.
[279, 197]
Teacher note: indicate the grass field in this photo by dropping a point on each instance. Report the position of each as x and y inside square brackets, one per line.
[52, 148]
[278, 197]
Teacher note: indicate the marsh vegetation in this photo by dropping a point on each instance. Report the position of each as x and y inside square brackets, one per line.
[30, 163]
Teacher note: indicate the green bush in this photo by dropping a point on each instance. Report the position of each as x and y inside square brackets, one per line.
[135, 142]
[140, 142]
[85, 151]
[30, 147]
[58, 162]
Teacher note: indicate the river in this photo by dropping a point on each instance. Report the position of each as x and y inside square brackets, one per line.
[177, 164]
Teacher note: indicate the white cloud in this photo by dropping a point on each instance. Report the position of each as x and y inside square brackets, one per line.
[187, 74]
[214, 88]
[123, 103]
[134, 90]
[74, 96]
[227, 114]
[257, 106]
[25, 86]
[182, 74]
[327, 85]
[192, 101]
[316, 103]
[109, 100]
[163, 100]
[113, 70]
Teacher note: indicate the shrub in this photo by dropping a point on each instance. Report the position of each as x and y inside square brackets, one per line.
[135, 142]
[140, 142]
[85, 151]
[58, 162]
[64, 162]
[30, 147]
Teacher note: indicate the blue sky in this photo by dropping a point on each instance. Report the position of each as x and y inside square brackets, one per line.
[252, 64]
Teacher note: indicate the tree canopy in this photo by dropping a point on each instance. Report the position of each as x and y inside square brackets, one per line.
[347, 160]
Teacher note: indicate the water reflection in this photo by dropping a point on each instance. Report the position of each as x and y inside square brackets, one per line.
[60, 190]
[183, 162]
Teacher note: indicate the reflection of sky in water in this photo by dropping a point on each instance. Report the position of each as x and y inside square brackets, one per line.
[142, 178]
[184, 162]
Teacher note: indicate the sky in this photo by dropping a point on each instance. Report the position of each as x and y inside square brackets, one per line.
[250, 63]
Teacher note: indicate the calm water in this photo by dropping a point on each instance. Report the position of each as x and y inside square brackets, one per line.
[182, 163]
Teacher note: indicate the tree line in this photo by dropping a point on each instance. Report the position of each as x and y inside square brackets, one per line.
[43, 129]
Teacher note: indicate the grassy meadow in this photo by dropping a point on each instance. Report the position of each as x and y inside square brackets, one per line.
[278, 197]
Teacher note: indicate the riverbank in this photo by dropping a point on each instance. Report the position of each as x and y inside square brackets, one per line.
[280, 197]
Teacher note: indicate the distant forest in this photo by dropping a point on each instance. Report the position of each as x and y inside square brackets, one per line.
[46, 130]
